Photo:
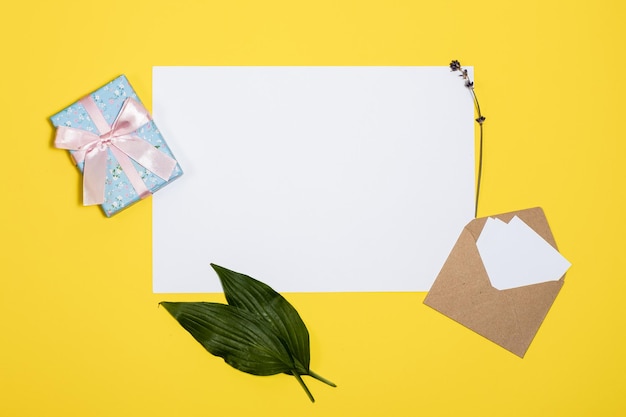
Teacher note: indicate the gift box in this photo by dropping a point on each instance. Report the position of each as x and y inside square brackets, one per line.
[116, 145]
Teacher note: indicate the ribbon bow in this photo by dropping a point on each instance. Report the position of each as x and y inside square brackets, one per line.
[91, 149]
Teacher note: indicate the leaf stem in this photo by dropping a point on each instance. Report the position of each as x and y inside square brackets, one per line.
[306, 389]
[321, 378]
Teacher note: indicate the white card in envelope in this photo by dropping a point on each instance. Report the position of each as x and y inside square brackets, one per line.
[514, 255]
[312, 179]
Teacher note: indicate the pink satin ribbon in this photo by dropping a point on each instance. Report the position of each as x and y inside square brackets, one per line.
[92, 149]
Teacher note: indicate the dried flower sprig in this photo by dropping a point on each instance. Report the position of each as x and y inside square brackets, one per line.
[456, 66]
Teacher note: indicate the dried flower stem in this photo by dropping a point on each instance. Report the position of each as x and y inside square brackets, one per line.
[456, 66]
[480, 121]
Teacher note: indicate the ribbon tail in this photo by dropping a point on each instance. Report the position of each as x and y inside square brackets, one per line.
[148, 156]
[94, 177]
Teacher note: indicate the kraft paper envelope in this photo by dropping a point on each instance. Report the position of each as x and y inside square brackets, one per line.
[463, 292]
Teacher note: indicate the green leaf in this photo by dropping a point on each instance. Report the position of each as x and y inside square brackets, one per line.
[258, 332]
[258, 298]
[245, 342]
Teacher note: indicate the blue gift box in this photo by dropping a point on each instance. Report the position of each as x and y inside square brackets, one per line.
[119, 193]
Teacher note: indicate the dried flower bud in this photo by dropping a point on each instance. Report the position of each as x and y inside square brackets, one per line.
[455, 65]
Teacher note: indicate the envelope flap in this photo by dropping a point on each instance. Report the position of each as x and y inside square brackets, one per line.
[533, 217]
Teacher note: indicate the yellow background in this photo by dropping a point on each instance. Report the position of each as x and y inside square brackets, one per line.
[80, 330]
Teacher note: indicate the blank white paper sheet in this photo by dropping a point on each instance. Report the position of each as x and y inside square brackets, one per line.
[312, 179]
